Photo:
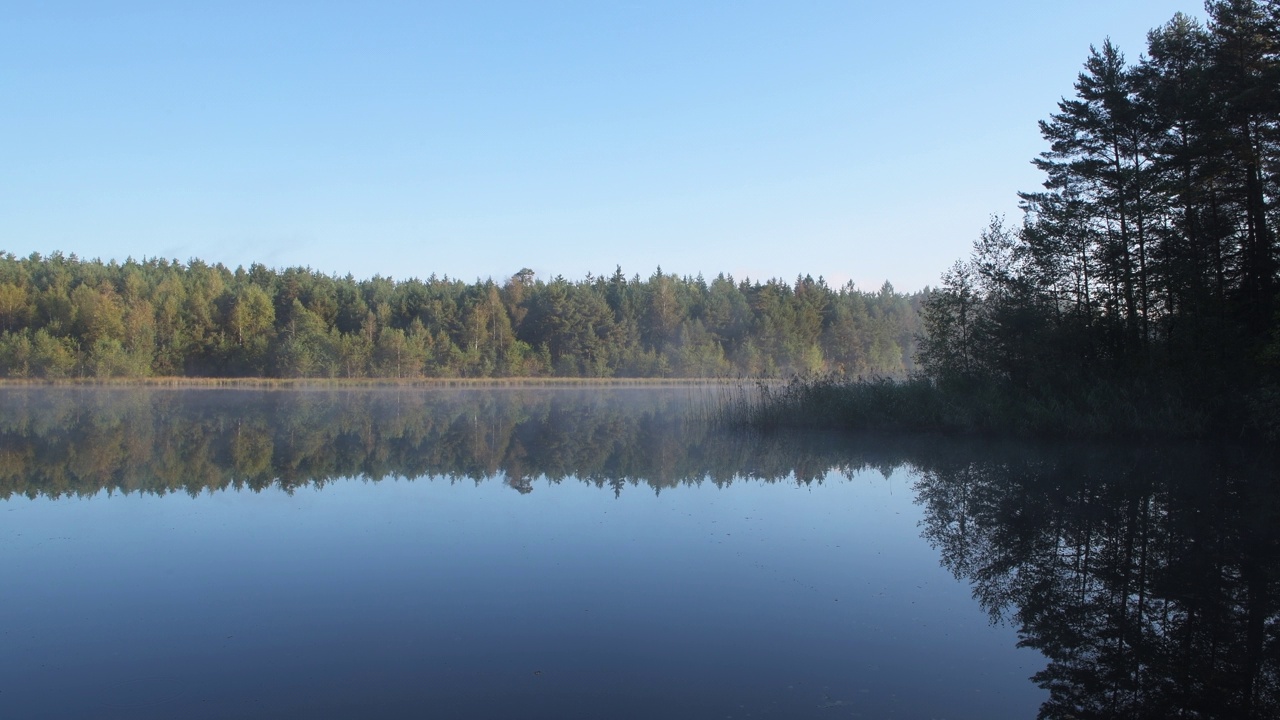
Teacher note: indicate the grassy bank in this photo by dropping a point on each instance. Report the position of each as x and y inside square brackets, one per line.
[1100, 411]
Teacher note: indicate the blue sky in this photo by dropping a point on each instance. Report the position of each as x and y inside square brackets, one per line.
[858, 141]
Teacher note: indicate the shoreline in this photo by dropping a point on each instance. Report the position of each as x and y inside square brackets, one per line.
[357, 383]
[1102, 411]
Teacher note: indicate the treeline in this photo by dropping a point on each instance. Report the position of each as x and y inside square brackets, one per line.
[1146, 268]
[61, 316]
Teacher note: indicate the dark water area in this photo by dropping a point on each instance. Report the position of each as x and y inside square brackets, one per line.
[533, 553]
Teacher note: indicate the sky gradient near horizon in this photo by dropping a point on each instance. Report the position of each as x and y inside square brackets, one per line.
[765, 139]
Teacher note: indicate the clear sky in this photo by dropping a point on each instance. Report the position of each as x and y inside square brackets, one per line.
[855, 140]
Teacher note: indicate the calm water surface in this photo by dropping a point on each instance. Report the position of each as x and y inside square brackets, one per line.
[588, 554]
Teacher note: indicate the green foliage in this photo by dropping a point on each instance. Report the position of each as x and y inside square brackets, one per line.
[308, 349]
[52, 357]
[1143, 280]
[252, 326]
[15, 354]
[15, 307]
[65, 317]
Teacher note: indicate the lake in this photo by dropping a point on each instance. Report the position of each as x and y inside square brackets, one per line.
[593, 553]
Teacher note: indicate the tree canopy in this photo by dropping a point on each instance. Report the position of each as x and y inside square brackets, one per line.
[1149, 258]
[61, 316]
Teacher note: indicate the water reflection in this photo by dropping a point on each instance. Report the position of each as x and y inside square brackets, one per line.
[79, 442]
[1148, 578]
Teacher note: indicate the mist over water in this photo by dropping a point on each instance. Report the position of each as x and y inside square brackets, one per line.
[584, 553]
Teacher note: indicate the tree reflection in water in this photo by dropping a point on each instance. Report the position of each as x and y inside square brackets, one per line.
[75, 442]
[1147, 577]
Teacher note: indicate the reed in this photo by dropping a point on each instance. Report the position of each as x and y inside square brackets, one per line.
[338, 383]
[1099, 411]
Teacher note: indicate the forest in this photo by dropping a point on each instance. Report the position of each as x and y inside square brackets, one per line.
[1149, 258]
[64, 317]
[1138, 294]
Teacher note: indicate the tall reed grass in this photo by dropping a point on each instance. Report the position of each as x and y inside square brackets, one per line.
[1101, 410]
[337, 383]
